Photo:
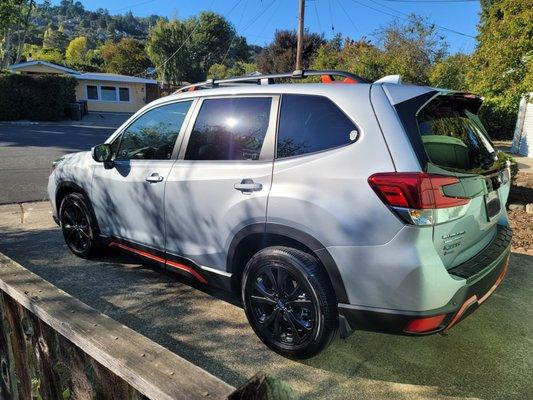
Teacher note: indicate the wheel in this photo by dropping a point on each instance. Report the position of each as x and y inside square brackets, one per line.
[289, 302]
[78, 226]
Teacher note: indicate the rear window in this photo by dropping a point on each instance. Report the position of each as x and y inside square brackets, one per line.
[453, 136]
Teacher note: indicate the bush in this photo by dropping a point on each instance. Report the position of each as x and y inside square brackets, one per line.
[39, 98]
[499, 117]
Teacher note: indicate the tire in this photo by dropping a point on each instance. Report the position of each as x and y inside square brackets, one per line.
[78, 226]
[286, 291]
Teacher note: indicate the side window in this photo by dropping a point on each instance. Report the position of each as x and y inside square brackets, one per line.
[152, 136]
[229, 129]
[311, 123]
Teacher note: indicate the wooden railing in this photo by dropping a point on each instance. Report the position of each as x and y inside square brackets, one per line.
[53, 346]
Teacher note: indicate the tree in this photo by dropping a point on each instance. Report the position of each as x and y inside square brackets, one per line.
[222, 71]
[185, 50]
[411, 48]
[55, 39]
[280, 56]
[502, 64]
[76, 51]
[451, 72]
[127, 57]
[167, 50]
[43, 54]
[15, 17]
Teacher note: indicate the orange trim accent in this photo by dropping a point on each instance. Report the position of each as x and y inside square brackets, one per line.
[497, 283]
[326, 79]
[349, 80]
[139, 252]
[474, 298]
[187, 269]
[160, 259]
[466, 305]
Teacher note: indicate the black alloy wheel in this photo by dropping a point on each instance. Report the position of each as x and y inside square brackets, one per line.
[289, 302]
[77, 226]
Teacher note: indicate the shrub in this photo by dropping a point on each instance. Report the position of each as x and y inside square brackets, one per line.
[35, 97]
[499, 117]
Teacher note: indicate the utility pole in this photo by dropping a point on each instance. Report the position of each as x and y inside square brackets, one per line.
[299, 48]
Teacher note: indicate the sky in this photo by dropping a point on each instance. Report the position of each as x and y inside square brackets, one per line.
[257, 20]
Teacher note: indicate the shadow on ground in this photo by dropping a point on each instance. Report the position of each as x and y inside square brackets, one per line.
[487, 356]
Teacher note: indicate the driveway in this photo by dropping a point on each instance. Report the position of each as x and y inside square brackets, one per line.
[28, 149]
[487, 356]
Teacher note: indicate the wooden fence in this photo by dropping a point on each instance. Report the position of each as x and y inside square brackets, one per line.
[54, 347]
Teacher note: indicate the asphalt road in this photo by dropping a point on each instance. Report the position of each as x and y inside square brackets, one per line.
[489, 355]
[27, 152]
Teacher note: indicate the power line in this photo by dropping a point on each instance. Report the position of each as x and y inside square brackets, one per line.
[349, 18]
[400, 12]
[133, 5]
[317, 16]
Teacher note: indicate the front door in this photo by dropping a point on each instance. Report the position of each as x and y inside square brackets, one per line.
[128, 194]
[221, 180]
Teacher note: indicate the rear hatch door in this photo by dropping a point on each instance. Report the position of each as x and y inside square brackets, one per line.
[457, 144]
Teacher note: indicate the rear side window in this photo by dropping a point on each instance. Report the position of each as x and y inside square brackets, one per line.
[229, 129]
[311, 123]
[453, 137]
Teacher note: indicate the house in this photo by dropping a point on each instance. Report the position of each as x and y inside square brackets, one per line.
[103, 92]
[523, 134]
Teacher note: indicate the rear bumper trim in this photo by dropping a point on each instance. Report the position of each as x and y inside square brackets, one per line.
[463, 303]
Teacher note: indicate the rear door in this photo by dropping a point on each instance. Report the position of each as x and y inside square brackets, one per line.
[457, 145]
[221, 180]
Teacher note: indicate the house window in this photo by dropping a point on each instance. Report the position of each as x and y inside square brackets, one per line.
[108, 93]
[92, 92]
[124, 94]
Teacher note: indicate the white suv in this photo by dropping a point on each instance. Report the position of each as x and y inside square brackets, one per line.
[341, 204]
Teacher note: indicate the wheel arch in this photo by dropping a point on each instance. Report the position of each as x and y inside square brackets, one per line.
[252, 238]
[67, 187]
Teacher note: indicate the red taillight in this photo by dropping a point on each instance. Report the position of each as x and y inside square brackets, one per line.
[427, 324]
[417, 190]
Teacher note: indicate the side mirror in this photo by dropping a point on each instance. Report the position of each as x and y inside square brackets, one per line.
[102, 153]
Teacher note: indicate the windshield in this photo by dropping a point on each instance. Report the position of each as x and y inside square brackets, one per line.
[453, 137]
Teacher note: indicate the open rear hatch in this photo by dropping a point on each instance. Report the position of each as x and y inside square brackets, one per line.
[457, 145]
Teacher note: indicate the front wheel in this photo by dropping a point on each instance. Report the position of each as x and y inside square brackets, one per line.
[78, 226]
[289, 302]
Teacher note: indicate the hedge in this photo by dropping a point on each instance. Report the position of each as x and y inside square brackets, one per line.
[35, 97]
[499, 116]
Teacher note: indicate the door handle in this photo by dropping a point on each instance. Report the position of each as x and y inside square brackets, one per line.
[248, 186]
[154, 178]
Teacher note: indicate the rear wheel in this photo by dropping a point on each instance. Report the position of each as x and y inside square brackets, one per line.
[78, 226]
[289, 302]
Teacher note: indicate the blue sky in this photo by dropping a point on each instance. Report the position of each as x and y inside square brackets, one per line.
[257, 20]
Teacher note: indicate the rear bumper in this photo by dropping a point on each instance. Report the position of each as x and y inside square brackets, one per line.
[482, 277]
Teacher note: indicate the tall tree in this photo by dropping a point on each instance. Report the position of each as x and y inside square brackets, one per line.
[451, 72]
[76, 52]
[15, 21]
[185, 50]
[502, 64]
[126, 57]
[411, 48]
[280, 56]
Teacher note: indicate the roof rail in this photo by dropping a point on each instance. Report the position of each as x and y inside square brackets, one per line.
[268, 79]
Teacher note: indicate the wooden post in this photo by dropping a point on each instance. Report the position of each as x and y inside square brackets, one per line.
[299, 47]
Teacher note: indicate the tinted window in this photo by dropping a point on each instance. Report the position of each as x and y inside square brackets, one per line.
[311, 123]
[452, 137]
[153, 135]
[92, 92]
[108, 93]
[124, 94]
[229, 129]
